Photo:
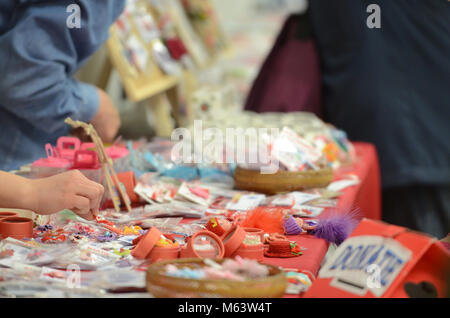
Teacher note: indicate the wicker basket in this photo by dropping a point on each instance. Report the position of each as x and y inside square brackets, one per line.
[281, 181]
[164, 286]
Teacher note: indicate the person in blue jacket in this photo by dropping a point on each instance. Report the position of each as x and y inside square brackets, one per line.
[39, 54]
[386, 80]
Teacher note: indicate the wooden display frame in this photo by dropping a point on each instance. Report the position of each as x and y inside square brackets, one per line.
[138, 86]
[152, 85]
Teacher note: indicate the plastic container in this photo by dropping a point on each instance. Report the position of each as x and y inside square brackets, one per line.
[16, 227]
[164, 253]
[67, 146]
[129, 182]
[86, 161]
[254, 231]
[145, 243]
[233, 239]
[203, 244]
[50, 166]
[250, 251]
[120, 158]
[4, 215]
[88, 146]
[115, 152]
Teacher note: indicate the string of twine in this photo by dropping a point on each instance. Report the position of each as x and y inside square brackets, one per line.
[106, 163]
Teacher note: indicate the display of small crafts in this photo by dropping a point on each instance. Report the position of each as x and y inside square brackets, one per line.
[108, 242]
[218, 108]
[146, 30]
[243, 229]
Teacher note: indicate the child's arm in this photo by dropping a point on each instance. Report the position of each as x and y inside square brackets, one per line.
[68, 190]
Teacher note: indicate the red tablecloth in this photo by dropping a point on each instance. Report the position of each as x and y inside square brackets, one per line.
[366, 196]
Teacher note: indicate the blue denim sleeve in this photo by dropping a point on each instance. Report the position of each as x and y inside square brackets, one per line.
[39, 56]
[88, 100]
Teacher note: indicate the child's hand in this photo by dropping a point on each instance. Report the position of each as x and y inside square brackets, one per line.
[69, 190]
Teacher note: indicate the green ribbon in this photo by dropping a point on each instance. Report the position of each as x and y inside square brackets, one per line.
[293, 245]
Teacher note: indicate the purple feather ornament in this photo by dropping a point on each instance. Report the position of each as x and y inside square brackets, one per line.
[335, 226]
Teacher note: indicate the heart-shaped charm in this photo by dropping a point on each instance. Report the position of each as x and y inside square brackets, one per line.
[423, 289]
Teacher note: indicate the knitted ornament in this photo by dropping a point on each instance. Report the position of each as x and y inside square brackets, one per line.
[299, 222]
[283, 249]
[274, 237]
[291, 227]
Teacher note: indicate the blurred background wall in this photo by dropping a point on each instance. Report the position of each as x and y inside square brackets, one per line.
[251, 27]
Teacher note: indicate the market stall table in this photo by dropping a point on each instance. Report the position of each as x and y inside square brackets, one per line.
[366, 196]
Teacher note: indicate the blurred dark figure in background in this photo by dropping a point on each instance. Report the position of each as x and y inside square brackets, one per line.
[391, 86]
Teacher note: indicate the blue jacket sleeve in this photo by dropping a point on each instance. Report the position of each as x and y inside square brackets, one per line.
[39, 56]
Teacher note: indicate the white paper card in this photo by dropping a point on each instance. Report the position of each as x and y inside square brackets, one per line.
[246, 202]
[283, 200]
[364, 263]
[184, 192]
[302, 197]
[342, 184]
[145, 192]
[307, 211]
